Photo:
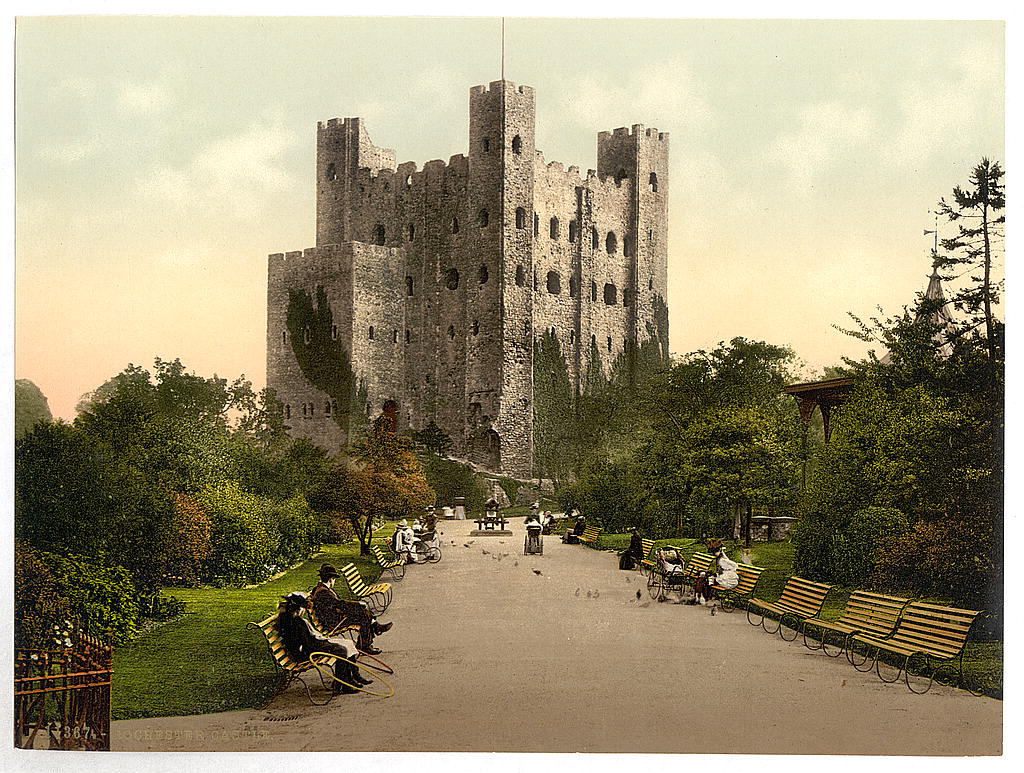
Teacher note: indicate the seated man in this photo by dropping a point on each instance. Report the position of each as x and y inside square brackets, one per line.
[573, 535]
[301, 641]
[333, 612]
[402, 546]
[533, 530]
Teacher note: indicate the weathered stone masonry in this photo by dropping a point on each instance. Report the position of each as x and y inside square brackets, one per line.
[439, 279]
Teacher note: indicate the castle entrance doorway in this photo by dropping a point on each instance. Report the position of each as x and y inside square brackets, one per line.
[390, 416]
[486, 450]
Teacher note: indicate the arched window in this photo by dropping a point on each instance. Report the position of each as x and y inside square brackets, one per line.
[595, 240]
[451, 332]
[517, 145]
[653, 183]
[284, 337]
[334, 332]
[378, 234]
[520, 218]
[408, 336]
[573, 231]
[485, 144]
[650, 284]
[451, 279]
[554, 283]
[307, 336]
[371, 332]
[409, 286]
[305, 409]
[288, 411]
[611, 294]
[476, 327]
[332, 173]
[408, 181]
[483, 218]
[520, 276]
[455, 225]
[611, 244]
[593, 341]
[412, 231]
[327, 408]
[572, 337]
[526, 326]
[593, 291]
[574, 286]
[394, 336]
[484, 274]
[553, 228]
[553, 333]
[536, 224]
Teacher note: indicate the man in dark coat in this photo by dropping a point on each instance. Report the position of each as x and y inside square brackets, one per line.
[301, 641]
[333, 612]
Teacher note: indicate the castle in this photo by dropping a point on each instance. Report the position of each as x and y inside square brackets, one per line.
[428, 289]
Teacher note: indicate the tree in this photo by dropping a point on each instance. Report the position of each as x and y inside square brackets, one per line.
[30, 406]
[433, 438]
[978, 242]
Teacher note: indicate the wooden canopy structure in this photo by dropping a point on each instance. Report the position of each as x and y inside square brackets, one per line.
[824, 395]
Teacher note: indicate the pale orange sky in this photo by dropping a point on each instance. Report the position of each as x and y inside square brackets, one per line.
[159, 161]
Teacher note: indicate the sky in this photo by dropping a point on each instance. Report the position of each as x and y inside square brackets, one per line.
[159, 160]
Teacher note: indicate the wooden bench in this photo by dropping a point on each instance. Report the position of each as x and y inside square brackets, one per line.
[800, 599]
[591, 535]
[393, 565]
[868, 613]
[643, 565]
[491, 523]
[377, 596]
[658, 581]
[744, 590]
[351, 630]
[928, 631]
[288, 668]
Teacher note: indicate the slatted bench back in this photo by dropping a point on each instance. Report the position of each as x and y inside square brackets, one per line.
[803, 597]
[872, 613]
[940, 631]
[647, 545]
[749, 575]
[277, 648]
[383, 560]
[355, 582]
[591, 533]
[699, 562]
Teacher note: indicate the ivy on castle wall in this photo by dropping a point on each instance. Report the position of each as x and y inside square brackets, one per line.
[323, 359]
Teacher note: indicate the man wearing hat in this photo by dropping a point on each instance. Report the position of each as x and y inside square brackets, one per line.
[333, 612]
[301, 641]
[403, 543]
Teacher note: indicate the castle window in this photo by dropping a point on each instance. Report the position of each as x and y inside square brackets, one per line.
[476, 327]
[305, 410]
[455, 225]
[553, 228]
[378, 235]
[408, 181]
[408, 286]
[427, 378]
[611, 294]
[620, 176]
[307, 336]
[572, 337]
[394, 336]
[288, 411]
[517, 145]
[484, 218]
[327, 408]
[593, 291]
[408, 336]
[609, 343]
[536, 224]
[535, 282]
[574, 286]
[387, 185]
[332, 173]
[595, 240]
[650, 284]
[554, 283]
[653, 183]
[611, 244]
[627, 246]
[371, 332]
[574, 229]
[284, 337]
[484, 274]
[451, 279]
[593, 341]
[412, 232]
[451, 332]
[520, 277]
[627, 296]
[334, 332]
[520, 218]
[553, 333]
[485, 145]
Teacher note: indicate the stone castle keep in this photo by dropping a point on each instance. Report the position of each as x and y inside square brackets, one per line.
[426, 290]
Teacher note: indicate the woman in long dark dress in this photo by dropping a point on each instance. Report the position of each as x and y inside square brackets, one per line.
[301, 641]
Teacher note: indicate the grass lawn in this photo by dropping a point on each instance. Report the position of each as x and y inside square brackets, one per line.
[983, 660]
[208, 660]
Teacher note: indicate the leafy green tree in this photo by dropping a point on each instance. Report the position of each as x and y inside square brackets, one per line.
[30, 407]
[978, 244]
[433, 438]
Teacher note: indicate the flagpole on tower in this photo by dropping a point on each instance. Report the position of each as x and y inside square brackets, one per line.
[935, 247]
[503, 48]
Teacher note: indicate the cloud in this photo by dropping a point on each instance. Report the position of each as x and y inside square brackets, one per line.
[825, 133]
[232, 174]
[143, 99]
[67, 153]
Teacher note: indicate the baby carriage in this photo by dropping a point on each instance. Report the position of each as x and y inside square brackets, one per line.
[533, 543]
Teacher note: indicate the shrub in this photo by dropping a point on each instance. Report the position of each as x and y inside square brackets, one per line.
[190, 547]
[103, 598]
[299, 530]
[38, 601]
[451, 479]
[241, 544]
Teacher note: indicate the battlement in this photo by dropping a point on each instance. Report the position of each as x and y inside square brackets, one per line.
[637, 130]
[495, 87]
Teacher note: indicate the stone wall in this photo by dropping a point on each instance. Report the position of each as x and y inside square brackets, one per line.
[459, 266]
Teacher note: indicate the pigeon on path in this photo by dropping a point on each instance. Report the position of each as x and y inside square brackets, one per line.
[484, 552]
[589, 595]
[577, 591]
[516, 563]
[596, 593]
[639, 595]
[536, 571]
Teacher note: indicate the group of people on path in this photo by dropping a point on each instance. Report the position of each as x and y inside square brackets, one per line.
[302, 639]
[408, 541]
[726, 575]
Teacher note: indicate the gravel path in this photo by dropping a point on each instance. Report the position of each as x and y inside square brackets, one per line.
[496, 651]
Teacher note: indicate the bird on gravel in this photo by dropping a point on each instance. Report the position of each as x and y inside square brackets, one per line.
[577, 591]
[589, 594]
[484, 552]
[465, 544]
[714, 611]
[596, 594]
[536, 571]
[471, 542]
[516, 563]
[639, 595]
